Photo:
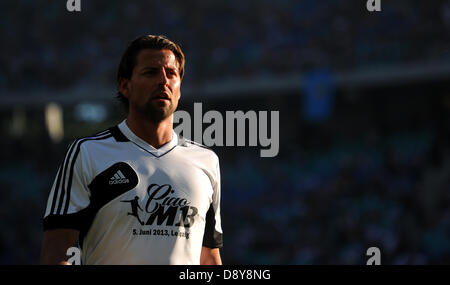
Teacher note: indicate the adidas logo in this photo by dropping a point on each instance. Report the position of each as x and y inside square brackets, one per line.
[118, 178]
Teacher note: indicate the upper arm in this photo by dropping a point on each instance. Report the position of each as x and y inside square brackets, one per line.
[212, 239]
[213, 225]
[69, 195]
[69, 192]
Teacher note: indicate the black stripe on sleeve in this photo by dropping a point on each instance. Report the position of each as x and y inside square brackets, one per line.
[60, 175]
[56, 191]
[69, 183]
[60, 187]
[101, 194]
[211, 237]
[63, 183]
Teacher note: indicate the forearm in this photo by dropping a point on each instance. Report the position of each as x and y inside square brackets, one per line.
[55, 245]
[51, 257]
[210, 256]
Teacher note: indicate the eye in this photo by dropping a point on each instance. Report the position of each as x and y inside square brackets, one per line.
[171, 72]
[151, 72]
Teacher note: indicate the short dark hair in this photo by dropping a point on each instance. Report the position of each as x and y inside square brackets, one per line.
[129, 57]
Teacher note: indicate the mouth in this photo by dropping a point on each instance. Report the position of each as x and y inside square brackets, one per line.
[160, 99]
[161, 96]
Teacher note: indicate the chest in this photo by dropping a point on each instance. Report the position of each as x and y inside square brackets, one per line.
[161, 188]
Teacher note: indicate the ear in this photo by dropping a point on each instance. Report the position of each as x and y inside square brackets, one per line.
[124, 87]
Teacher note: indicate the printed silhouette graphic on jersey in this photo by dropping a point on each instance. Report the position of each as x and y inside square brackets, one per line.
[134, 208]
[163, 207]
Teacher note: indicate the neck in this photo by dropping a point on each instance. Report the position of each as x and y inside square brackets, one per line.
[156, 134]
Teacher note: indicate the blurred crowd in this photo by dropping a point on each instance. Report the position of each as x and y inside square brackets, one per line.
[47, 47]
[375, 174]
[330, 207]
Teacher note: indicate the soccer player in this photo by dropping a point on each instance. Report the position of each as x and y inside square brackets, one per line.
[138, 193]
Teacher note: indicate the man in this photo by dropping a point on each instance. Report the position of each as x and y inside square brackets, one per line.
[137, 193]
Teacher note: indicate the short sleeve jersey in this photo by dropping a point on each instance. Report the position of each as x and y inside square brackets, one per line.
[134, 204]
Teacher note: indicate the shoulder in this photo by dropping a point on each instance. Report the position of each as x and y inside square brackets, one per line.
[198, 148]
[99, 136]
[202, 157]
[81, 144]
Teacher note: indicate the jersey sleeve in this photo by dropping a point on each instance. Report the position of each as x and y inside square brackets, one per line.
[69, 195]
[213, 228]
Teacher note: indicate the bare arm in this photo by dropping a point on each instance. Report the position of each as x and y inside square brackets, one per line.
[55, 244]
[210, 256]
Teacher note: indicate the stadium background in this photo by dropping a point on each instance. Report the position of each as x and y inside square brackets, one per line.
[363, 97]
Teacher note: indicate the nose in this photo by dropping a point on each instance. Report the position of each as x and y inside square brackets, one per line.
[163, 80]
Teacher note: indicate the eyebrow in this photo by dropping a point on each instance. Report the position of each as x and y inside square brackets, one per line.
[158, 67]
[149, 67]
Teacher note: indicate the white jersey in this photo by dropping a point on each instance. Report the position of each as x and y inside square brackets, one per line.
[134, 204]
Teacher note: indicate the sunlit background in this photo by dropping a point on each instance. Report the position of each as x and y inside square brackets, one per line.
[363, 98]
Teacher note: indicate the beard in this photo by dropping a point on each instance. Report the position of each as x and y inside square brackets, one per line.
[155, 111]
